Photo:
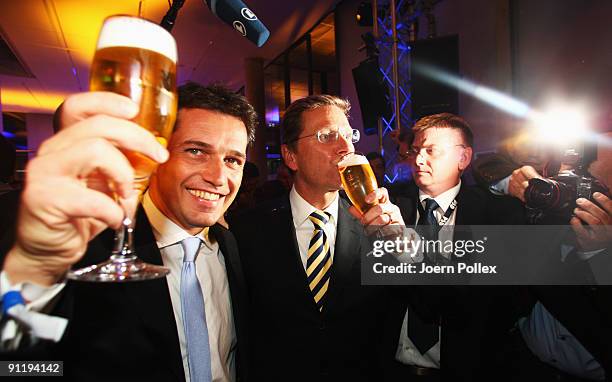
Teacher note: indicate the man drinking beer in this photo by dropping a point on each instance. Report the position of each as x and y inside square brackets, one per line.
[313, 318]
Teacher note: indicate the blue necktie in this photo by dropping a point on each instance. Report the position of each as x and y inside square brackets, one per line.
[194, 315]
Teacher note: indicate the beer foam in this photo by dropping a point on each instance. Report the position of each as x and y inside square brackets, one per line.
[135, 32]
[353, 160]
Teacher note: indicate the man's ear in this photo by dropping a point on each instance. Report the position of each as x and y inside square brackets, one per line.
[465, 158]
[289, 157]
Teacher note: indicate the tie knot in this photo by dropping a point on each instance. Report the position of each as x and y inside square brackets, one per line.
[430, 205]
[319, 218]
[190, 248]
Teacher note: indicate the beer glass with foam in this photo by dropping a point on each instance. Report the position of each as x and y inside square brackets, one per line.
[358, 179]
[135, 58]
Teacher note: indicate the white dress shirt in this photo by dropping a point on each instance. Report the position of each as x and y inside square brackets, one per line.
[300, 210]
[552, 343]
[407, 353]
[212, 274]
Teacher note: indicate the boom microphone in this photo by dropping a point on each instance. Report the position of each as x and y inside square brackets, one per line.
[241, 18]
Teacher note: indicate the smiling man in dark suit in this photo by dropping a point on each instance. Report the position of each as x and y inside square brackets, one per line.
[140, 331]
[311, 319]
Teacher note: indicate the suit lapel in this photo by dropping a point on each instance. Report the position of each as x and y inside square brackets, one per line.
[152, 298]
[238, 290]
[289, 253]
[228, 247]
[346, 253]
[470, 207]
[407, 203]
[471, 210]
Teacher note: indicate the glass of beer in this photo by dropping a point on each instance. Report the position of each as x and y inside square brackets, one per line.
[358, 179]
[135, 58]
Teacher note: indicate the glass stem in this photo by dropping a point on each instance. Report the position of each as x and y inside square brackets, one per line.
[124, 241]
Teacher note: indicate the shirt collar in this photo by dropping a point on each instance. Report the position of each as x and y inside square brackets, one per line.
[165, 230]
[301, 209]
[444, 199]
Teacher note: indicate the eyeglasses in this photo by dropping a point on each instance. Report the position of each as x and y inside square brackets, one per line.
[330, 136]
[431, 151]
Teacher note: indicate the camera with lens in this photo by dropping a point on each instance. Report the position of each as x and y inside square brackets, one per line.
[552, 199]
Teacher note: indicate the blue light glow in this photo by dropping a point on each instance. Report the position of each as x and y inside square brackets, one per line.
[273, 115]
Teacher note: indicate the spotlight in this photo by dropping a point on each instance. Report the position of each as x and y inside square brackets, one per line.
[560, 125]
[364, 14]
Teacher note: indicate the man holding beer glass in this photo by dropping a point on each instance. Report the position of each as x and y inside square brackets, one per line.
[134, 331]
[187, 326]
[313, 319]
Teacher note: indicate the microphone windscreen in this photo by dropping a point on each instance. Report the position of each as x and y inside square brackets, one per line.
[241, 18]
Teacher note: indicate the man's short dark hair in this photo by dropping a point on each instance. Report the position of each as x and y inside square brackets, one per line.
[446, 120]
[218, 98]
[292, 127]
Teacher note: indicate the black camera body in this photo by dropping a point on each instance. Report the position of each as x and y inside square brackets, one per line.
[552, 200]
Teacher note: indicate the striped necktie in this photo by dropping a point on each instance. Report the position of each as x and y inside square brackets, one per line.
[194, 315]
[319, 259]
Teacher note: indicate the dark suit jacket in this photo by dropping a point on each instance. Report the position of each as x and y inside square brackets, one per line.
[127, 331]
[584, 310]
[475, 319]
[291, 340]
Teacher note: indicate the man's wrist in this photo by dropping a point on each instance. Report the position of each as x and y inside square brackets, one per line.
[20, 267]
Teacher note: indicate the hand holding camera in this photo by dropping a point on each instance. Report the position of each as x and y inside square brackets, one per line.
[519, 180]
[597, 233]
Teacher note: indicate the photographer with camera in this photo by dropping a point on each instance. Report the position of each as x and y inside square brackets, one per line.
[567, 336]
